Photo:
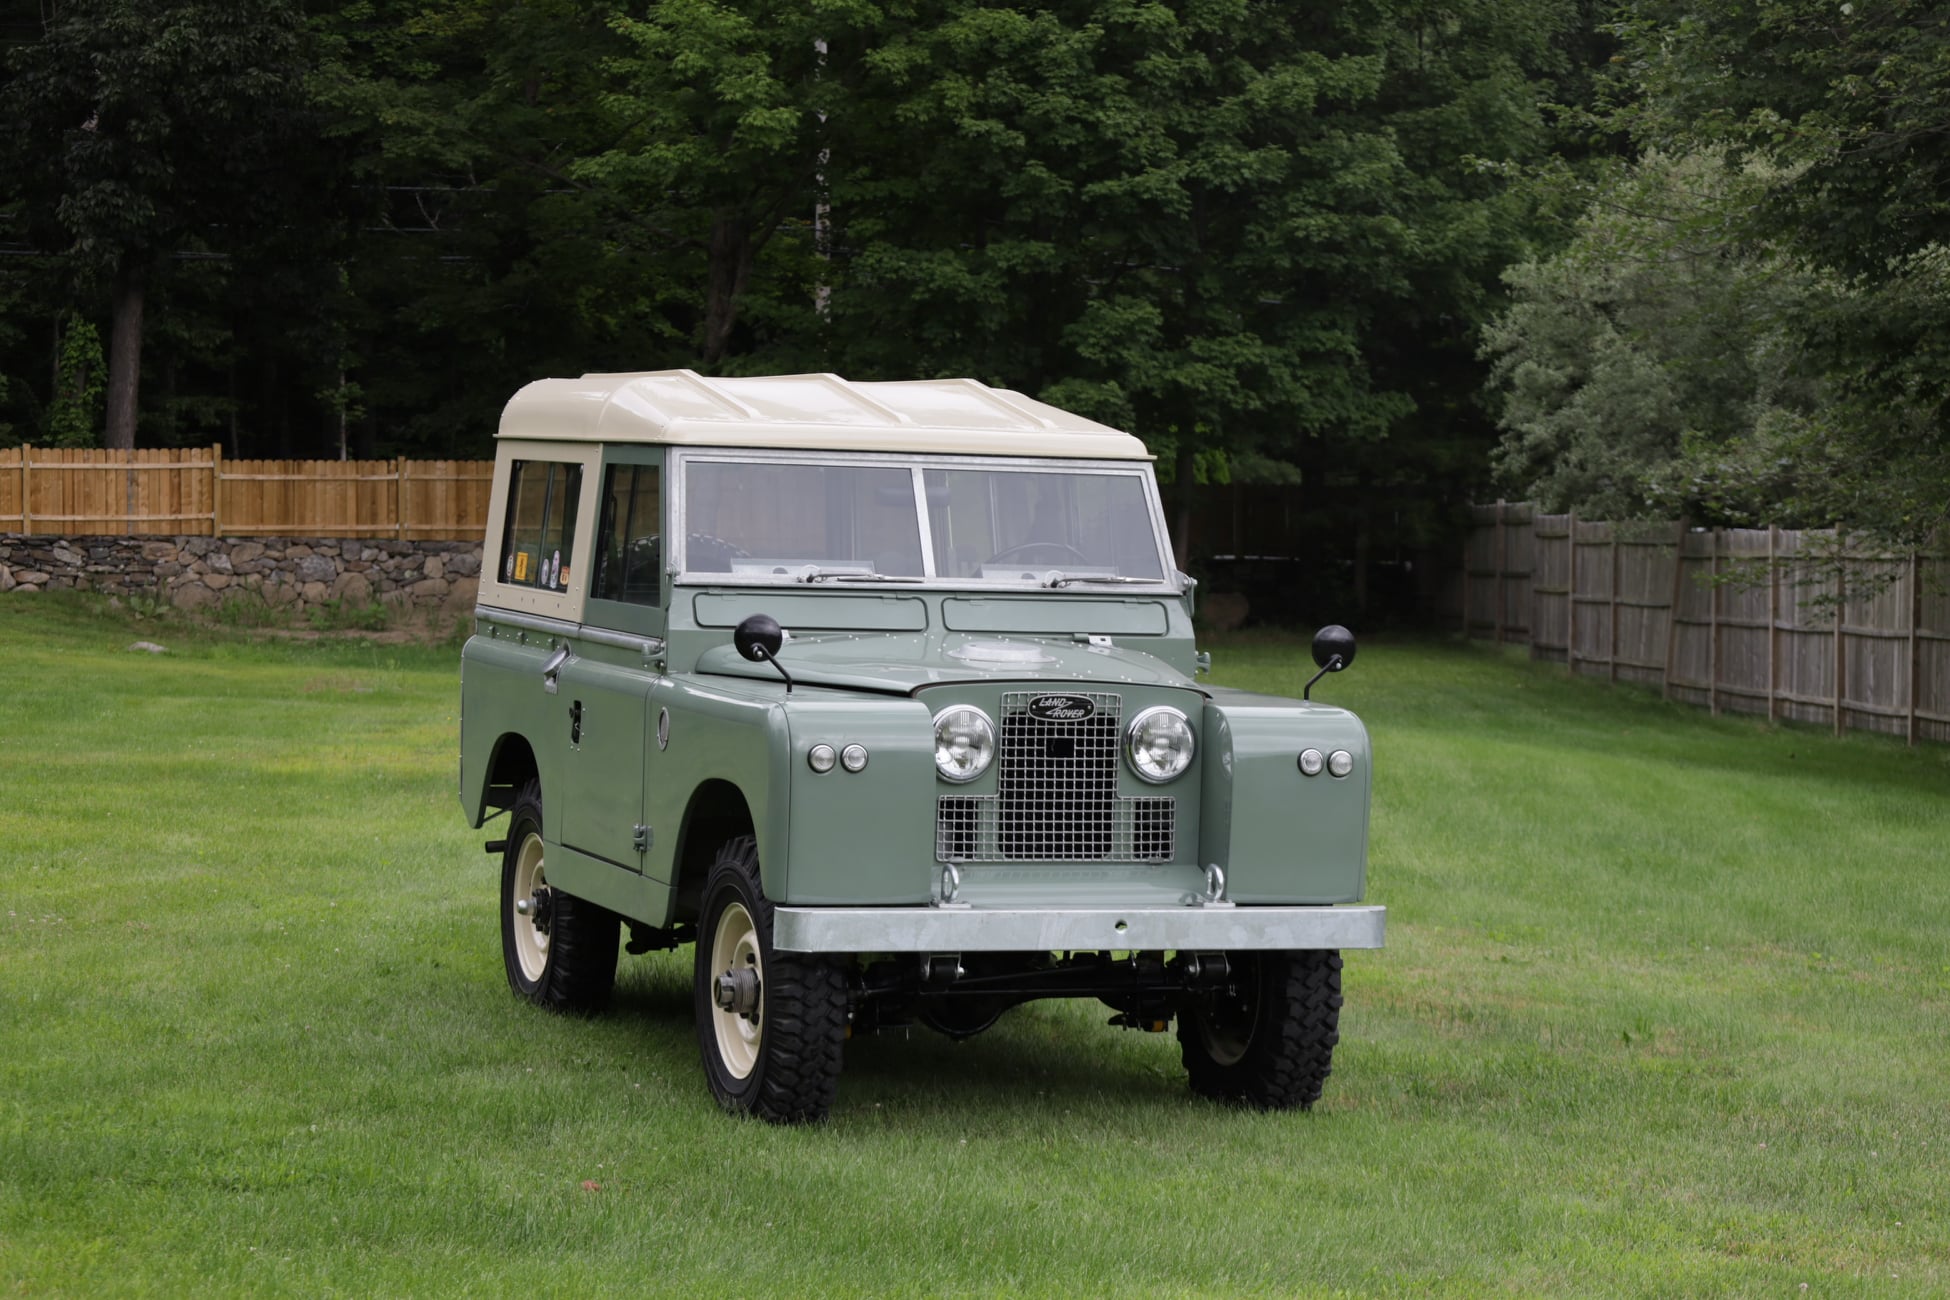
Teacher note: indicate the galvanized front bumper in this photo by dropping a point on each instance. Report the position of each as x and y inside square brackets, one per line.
[976, 929]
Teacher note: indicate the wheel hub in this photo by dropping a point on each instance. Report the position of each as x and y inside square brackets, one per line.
[736, 991]
[538, 907]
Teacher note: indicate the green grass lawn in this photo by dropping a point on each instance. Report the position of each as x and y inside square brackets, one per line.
[1664, 1011]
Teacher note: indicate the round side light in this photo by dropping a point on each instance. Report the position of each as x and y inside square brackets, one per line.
[1340, 762]
[1311, 761]
[820, 758]
[853, 757]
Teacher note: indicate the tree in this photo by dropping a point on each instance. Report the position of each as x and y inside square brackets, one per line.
[1653, 366]
[1240, 229]
[718, 153]
[1845, 104]
[148, 126]
[481, 257]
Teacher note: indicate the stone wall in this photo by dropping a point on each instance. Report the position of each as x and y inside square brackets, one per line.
[285, 573]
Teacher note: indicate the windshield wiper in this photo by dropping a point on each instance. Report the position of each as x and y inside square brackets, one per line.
[1058, 578]
[813, 573]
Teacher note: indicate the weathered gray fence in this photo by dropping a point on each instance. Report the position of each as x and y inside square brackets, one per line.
[1794, 625]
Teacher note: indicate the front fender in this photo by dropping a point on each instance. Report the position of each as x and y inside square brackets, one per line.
[867, 836]
[1282, 836]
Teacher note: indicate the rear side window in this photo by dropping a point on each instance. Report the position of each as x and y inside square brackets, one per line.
[536, 548]
[629, 561]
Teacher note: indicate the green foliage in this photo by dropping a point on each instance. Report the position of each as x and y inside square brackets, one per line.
[75, 418]
[1651, 368]
[1248, 230]
[1842, 108]
[1847, 98]
[339, 614]
[141, 125]
[1240, 228]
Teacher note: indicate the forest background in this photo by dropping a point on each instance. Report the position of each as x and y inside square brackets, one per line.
[1635, 259]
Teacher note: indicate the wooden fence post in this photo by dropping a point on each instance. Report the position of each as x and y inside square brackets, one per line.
[1531, 607]
[1571, 602]
[1713, 628]
[1672, 609]
[1773, 627]
[399, 495]
[1915, 655]
[1612, 661]
[1841, 610]
[216, 489]
[1502, 558]
[26, 501]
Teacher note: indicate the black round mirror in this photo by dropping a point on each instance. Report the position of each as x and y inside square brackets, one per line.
[758, 638]
[1331, 642]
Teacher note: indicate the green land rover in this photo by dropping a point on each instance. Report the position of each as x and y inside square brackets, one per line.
[885, 696]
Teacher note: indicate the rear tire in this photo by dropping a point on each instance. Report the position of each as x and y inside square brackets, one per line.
[561, 953]
[775, 1051]
[1267, 1039]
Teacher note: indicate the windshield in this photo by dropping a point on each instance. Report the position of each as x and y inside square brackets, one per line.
[838, 522]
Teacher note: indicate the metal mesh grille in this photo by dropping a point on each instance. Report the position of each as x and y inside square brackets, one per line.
[1057, 780]
[1056, 799]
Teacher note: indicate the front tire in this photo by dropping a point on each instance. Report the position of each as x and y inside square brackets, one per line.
[559, 950]
[770, 1025]
[1267, 1039]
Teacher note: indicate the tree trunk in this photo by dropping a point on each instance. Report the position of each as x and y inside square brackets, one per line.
[730, 270]
[125, 357]
[1187, 476]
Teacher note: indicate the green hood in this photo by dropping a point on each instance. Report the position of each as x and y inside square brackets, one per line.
[903, 662]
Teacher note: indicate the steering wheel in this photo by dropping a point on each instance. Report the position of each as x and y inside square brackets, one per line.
[704, 553]
[1028, 553]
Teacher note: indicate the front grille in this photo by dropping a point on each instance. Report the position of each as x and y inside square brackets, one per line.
[1056, 800]
[1057, 780]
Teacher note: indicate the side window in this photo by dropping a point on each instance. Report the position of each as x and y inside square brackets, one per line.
[629, 561]
[536, 547]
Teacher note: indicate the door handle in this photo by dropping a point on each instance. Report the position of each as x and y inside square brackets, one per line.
[553, 669]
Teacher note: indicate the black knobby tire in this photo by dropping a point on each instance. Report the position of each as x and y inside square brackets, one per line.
[568, 961]
[1267, 1039]
[782, 1061]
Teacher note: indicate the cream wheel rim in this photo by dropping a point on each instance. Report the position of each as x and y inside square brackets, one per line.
[531, 941]
[734, 948]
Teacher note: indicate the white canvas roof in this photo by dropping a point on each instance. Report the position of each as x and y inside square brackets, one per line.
[957, 416]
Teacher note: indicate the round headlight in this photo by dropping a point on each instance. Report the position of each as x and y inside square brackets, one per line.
[1340, 762]
[1311, 761]
[820, 758]
[1159, 744]
[964, 742]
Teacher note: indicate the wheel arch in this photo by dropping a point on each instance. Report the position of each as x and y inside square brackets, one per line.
[717, 811]
[511, 765]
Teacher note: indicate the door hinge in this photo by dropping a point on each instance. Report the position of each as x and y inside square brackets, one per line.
[640, 838]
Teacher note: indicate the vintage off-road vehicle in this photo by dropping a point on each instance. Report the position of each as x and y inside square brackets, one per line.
[885, 695]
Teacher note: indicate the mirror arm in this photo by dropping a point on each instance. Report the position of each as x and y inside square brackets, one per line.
[1333, 665]
[770, 658]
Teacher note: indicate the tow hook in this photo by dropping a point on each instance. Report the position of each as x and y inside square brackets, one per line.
[737, 991]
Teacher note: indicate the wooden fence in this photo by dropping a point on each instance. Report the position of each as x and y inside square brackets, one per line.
[194, 491]
[1795, 625]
